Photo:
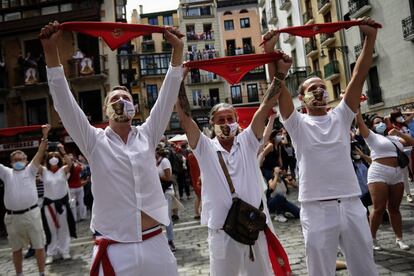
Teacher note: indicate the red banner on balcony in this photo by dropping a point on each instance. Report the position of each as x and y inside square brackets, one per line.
[234, 68]
[12, 131]
[114, 34]
[326, 28]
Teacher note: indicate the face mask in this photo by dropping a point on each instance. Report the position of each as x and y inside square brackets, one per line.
[278, 138]
[226, 131]
[400, 119]
[18, 166]
[316, 98]
[53, 161]
[380, 128]
[120, 111]
[356, 156]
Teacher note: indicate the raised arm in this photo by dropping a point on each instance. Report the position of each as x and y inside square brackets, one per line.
[68, 160]
[269, 128]
[363, 129]
[354, 89]
[37, 159]
[405, 139]
[271, 97]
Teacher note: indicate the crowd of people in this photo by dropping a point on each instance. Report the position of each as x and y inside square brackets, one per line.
[340, 162]
[202, 55]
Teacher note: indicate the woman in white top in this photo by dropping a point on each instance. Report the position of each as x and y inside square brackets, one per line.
[60, 223]
[165, 174]
[385, 178]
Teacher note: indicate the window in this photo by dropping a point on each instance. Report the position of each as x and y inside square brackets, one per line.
[332, 54]
[228, 25]
[236, 95]
[227, 13]
[252, 93]
[294, 58]
[2, 116]
[374, 89]
[336, 90]
[156, 64]
[247, 45]
[120, 9]
[244, 11]
[327, 17]
[244, 23]
[36, 112]
[174, 121]
[197, 98]
[315, 65]
[152, 94]
[153, 20]
[87, 102]
[167, 20]
[147, 37]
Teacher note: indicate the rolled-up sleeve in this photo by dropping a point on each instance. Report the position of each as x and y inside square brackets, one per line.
[72, 116]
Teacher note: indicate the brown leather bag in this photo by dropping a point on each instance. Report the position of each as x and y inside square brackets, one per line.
[244, 221]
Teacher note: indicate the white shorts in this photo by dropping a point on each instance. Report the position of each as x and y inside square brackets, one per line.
[381, 173]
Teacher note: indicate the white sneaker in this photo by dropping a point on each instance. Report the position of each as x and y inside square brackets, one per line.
[409, 198]
[402, 244]
[376, 245]
[66, 256]
[49, 260]
[280, 218]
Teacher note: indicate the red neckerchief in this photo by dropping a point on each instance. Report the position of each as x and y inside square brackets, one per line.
[114, 34]
[326, 28]
[233, 68]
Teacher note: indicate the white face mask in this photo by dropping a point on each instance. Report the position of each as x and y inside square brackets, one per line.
[400, 119]
[278, 138]
[53, 161]
[120, 111]
[356, 156]
[226, 131]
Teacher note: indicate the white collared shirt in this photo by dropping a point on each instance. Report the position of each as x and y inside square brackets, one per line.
[55, 183]
[19, 187]
[124, 176]
[244, 171]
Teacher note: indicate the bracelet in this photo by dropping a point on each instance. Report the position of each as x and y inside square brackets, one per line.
[280, 76]
[44, 139]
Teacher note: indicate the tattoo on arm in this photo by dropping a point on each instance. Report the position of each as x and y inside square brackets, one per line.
[273, 90]
[183, 100]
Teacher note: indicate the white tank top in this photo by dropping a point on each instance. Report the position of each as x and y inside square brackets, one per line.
[55, 184]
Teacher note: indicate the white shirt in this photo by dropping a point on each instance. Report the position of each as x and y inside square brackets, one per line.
[244, 171]
[124, 176]
[322, 145]
[19, 187]
[162, 166]
[382, 146]
[55, 184]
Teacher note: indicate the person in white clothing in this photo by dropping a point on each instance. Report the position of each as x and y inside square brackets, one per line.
[23, 219]
[385, 177]
[129, 204]
[331, 213]
[56, 207]
[239, 150]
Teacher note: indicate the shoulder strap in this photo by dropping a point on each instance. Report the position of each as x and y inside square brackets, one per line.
[226, 172]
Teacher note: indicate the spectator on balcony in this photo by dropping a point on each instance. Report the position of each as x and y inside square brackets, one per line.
[199, 55]
[247, 48]
[239, 51]
[78, 54]
[86, 66]
[41, 68]
[30, 65]
[205, 54]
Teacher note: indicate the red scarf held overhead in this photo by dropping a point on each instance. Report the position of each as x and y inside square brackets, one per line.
[326, 28]
[114, 34]
[233, 68]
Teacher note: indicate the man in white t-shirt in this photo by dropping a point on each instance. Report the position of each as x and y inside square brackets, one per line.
[23, 218]
[239, 151]
[331, 213]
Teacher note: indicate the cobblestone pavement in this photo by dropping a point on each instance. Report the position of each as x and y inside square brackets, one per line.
[192, 248]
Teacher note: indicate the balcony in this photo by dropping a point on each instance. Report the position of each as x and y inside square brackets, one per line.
[358, 51]
[323, 6]
[203, 79]
[88, 66]
[240, 51]
[271, 14]
[262, 3]
[295, 77]
[408, 28]
[202, 55]
[357, 8]
[265, 28]
[166, 47]
[148, 46]
[327, 39]
[374, 95]
[331, 70]
[311, 49]
[259, 73]
[285, 4]
[199, 12]
[308, 18]
[288, 38]
[316, 73]
[205, 36]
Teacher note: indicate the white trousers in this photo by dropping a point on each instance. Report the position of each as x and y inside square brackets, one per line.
[60, 237]
[231, 258]
[329, 224]
[151, 257]
[79, 206]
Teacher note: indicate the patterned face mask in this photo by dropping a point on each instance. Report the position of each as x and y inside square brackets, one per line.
[226, 131]
[120, 111]
[316, 98]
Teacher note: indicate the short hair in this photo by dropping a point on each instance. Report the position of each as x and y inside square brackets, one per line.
[14, 153]
[218, 106]
[301, 89]
[117, 87]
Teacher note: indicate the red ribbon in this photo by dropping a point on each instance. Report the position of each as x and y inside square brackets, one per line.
[277, 255]
[53, 215]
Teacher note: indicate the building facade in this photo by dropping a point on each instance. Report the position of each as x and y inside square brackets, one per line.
[389, 83]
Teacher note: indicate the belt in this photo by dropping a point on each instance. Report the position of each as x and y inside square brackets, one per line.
[19, 212]
[102, 254]
[332, 199]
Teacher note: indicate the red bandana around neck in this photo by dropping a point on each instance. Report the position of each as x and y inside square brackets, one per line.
[234, 68]
[327, 28]
[114, 34]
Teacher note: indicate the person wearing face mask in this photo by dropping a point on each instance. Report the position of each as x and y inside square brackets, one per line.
[129, 205]
[385, 177]
[361, 162]
[239, 151]
[23, 219]
[271, 155]
[332, 214]
[56, 209]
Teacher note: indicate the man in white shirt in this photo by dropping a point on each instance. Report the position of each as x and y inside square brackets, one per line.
[331, 213]
[23, 218]
[129, 205]
[239, 150]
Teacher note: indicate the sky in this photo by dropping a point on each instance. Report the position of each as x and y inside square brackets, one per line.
[151, 6]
